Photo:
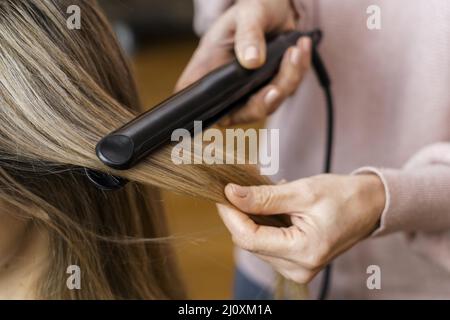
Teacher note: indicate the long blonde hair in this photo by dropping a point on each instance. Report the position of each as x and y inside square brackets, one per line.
[61, 90]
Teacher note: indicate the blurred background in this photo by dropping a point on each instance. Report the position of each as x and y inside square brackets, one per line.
[159, 39]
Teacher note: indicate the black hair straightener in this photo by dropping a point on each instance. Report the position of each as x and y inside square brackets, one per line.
[207, 100]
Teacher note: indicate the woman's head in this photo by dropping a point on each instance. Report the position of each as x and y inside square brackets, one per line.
[61, 90]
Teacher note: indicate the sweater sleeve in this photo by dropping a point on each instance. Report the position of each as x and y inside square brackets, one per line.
[418, 195]
[207, 11]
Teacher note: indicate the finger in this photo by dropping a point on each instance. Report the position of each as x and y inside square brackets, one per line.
[295, 257]
[265, 200]
[295, 64]
[289, 269]
[250, 43]
[249, 236]
[307, 48]
[201, 64]
[213, 51]
[258, 107]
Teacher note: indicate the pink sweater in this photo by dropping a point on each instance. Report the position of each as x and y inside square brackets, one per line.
[392, 94]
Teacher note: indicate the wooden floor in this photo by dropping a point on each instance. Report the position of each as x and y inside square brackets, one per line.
[203, 246]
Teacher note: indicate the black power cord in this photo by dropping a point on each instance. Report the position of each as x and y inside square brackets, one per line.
[326, 280]
[325, 83]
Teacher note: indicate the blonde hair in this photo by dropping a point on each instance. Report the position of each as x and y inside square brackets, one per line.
[61, 91]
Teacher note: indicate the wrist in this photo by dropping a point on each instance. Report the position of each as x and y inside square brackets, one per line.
[372, 196]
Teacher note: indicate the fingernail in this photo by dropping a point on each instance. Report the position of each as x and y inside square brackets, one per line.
[251, 53]
[271, 97]
[306, 44]
[239, 191]
[296, 56]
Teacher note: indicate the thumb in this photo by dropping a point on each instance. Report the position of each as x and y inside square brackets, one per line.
[204, 60]
[250, 42]
[265, 200]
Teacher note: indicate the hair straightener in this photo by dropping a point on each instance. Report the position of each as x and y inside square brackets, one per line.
[206, 100]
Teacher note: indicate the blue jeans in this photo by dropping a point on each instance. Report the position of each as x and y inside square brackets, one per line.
[247, 289]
